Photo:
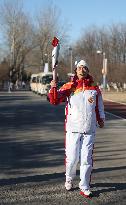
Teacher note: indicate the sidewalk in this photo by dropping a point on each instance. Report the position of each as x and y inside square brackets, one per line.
[115, 96]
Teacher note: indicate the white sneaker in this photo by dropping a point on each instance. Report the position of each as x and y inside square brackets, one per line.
[68, 185]
[86, 193]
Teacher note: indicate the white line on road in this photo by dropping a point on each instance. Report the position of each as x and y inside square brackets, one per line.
[115, 115]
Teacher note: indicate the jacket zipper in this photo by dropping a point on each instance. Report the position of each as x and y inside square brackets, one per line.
[83, 85]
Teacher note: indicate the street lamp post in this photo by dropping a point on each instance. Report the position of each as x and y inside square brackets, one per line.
[104, 68]
[10, 83]
[12, 56]
[71, 59]
[46, 66]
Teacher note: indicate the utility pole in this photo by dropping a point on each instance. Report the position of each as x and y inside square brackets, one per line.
[12, 57]
[104, 68]
[71, 59]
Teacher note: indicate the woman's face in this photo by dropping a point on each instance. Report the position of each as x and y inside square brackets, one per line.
[81, 71]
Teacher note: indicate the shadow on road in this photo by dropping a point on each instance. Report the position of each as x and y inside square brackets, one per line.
[16, 156]
[36, 178]
[58, 177]
[108, 187]
[36, 115]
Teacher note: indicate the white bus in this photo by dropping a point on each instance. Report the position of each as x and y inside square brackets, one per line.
[33, 82]
[42, 82]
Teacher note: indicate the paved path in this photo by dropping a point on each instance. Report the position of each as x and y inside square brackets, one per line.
[32, 155]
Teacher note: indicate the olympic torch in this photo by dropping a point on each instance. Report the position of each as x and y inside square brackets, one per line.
[55, 54]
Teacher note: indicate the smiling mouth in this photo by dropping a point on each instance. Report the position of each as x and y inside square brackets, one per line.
[82, 74]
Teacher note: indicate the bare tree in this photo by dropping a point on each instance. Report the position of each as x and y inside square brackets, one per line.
[87, 46]
[49, 24]
[17, 32]
[120, 33]
[112, 41]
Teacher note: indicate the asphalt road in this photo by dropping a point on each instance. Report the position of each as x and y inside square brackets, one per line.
[32, 155]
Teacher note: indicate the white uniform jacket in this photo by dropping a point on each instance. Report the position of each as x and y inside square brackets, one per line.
[84, 106]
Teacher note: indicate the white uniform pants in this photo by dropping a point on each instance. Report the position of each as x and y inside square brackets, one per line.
[79, 146]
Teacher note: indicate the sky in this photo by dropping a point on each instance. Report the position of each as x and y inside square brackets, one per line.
[81, 14]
